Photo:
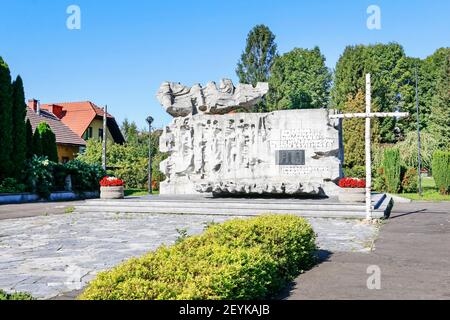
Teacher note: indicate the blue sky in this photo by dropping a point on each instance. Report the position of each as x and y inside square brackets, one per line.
[126, 48]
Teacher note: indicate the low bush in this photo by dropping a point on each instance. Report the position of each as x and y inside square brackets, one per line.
[379, 182]
[10, 185]
[239, 259]
[410, 180]
[441, 171]
[39, 176]
[85, 177]
[357, 172]
[15, 296]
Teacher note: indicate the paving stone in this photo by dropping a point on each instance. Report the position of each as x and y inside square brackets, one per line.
[50, 255]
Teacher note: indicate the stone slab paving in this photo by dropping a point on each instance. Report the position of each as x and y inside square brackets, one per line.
[48, 256]
[412, 253]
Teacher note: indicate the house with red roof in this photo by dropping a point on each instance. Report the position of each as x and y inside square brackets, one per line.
[73, 124]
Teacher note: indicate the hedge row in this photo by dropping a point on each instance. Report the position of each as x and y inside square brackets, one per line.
[441, 171]
[239, 259]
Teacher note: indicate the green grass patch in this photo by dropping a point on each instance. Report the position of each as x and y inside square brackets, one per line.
[430, 192]
[138, 192]
[69, 210]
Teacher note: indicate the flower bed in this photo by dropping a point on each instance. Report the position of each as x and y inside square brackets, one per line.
[112, 188]
[352, 190]
[240, 259]
[111, 182]
[352, 183]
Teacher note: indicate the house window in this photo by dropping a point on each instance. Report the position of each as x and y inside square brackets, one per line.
[100, 134]
[88, 134]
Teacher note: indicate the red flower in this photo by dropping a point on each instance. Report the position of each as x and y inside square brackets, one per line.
[352, 183]
[111, 182]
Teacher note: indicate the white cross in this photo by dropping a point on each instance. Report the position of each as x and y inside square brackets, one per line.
[368, 116]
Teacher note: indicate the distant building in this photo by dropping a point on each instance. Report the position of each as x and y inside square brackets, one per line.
[68, 143]
[86, 120]
[83, 119]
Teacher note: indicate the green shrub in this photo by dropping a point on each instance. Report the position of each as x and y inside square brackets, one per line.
[441, 171]
[10, 185]
[379, 181]
[358, 172]
[39, 177]
[410, 181]
[85, 177]
[392, 170]
[240, 259]
[15, 296]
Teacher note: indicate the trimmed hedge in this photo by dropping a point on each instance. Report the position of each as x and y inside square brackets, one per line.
[392, 170]
[441, 171]
[239, 259]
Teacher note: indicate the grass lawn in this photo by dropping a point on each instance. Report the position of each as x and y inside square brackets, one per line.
[137, 192]
[430, 192]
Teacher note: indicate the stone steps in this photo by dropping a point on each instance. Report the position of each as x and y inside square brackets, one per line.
[238, 207]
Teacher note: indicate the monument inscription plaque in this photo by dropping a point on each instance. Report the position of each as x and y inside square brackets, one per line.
[293, 152]
[291, 157]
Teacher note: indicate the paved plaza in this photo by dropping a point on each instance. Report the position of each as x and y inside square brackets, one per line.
[412, 253]
[50, 255]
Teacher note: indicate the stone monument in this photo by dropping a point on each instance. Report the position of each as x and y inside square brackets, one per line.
[213, 149]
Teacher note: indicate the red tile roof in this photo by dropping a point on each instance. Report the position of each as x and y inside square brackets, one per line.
[64, 135]
[79, 115]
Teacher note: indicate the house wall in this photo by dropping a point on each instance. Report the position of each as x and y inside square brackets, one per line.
[97, 124]
[66, 152]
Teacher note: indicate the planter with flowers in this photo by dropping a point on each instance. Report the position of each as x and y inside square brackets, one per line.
[112, 188]
[352, 190]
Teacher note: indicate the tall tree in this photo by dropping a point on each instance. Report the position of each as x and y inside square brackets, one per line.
[18, 155]
[48, 141]
[130, 131]
[383, 62]
[299, 80]
[6, 142]
[29, 138]
[440, 110]
[258, 58]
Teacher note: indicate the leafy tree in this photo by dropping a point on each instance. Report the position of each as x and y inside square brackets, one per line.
[130, 131]
[440, 110]
[6, 139]
[299, 80]
[19, 153]
[29, 139]
[354, 133]
[129, 160]
[386, 63]
[409, 153]
[257, 59]
[48, 142]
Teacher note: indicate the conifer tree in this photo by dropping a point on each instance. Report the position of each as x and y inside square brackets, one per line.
[6, 142]
[18, 155]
